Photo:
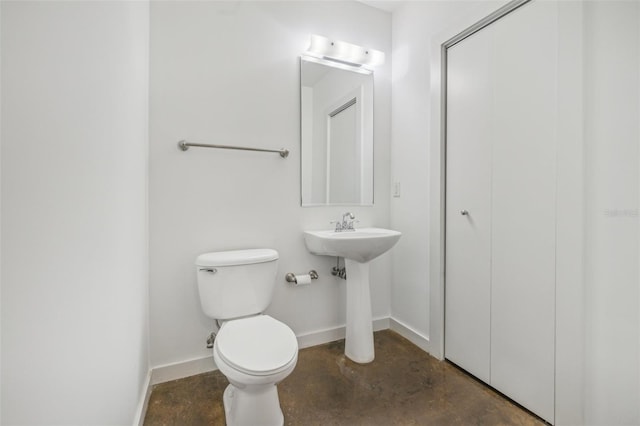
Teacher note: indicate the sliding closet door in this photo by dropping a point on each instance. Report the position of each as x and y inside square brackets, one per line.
[468, 249]
[524, 207]
[501, 172]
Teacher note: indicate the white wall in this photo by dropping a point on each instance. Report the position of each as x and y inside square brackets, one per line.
[228, 73]
[612, 107]
[0, 214]
[74, 222]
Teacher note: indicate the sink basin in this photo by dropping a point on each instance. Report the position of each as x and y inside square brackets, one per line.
[361, 245]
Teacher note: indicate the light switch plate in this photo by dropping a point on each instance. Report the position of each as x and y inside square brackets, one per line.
[396, 189]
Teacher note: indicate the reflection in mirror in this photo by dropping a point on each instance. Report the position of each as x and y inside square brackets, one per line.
[337, 135]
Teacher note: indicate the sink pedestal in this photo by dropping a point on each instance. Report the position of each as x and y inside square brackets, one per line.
[359, 337]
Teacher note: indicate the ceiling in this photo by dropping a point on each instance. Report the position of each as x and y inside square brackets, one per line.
[386, 5]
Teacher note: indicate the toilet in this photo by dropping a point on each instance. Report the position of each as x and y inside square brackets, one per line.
[253, 350]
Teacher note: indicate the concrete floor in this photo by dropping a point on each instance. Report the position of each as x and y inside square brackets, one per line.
[403, 386]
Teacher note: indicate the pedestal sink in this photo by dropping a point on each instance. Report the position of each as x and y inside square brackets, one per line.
[358, 248]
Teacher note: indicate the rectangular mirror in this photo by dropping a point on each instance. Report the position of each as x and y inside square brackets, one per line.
[337, 134]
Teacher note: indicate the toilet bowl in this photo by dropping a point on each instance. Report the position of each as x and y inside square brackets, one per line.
[253, 350]
[254, 354]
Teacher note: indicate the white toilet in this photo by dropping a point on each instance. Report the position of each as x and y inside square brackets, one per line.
[254, 351]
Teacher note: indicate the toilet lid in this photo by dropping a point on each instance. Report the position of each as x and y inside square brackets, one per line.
[237, 257]
[257, 345]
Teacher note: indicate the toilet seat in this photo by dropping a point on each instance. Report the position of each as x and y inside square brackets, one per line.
[258, 345]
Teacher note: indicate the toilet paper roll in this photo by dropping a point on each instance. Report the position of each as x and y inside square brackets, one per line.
[303, 279]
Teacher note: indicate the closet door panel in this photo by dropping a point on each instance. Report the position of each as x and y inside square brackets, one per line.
[468, 274]
[524, 207]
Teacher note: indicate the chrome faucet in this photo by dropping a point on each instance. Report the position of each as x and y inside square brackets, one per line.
[346, 224]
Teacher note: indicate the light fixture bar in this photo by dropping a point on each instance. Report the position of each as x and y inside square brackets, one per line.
[336, 64]
[343, 52]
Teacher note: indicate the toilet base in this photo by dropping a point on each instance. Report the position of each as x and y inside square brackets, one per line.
[252, 406]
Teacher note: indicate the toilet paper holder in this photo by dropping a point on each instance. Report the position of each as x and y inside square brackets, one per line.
[291, 277]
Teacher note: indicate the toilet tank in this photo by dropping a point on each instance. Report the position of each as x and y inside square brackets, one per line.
[236, 283]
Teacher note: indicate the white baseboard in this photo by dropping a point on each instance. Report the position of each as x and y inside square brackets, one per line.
[166, 373]
[320, 337]
[143, 401]
[410, 334]
[381, 324]
[180, 370]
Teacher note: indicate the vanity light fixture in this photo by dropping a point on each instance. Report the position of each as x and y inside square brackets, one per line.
[343, 55]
